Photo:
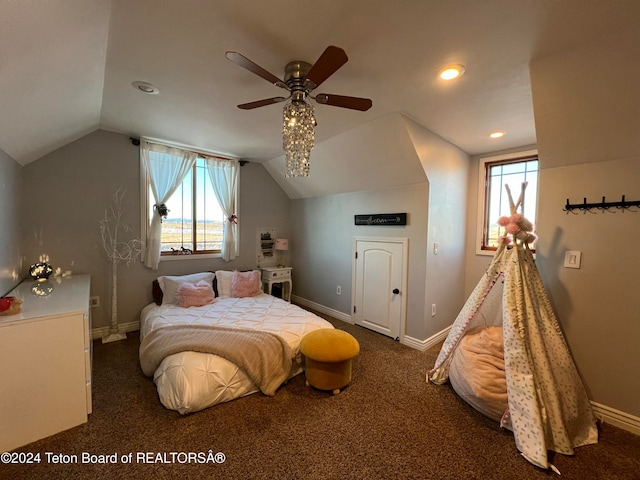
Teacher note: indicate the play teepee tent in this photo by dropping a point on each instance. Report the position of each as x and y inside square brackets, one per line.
[546, 405]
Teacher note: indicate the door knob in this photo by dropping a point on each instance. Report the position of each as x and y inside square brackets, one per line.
[396, 291]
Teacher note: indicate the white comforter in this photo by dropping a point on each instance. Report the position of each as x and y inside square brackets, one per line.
[191, 381]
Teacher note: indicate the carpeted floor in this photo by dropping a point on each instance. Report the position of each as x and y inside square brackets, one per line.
[388, 424]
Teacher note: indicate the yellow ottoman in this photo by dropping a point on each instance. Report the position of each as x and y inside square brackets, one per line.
[328, 353]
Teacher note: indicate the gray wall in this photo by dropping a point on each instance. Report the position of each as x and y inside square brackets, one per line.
[447, 168]
[12, 267]
[324, 229]
[79, 181]
[588, 124]
[322, 245]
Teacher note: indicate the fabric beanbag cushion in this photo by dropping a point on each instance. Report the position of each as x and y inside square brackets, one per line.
[477, 371]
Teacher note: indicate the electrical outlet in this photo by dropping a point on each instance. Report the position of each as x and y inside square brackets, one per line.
[94, 302]
[433, 309]
[338, 290]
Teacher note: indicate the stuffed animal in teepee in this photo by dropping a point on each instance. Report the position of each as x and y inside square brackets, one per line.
[516, 225]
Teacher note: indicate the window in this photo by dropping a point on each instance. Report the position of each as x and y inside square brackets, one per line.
[493, 201]
[195, 221]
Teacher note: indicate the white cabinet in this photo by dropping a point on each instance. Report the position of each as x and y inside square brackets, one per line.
[271, 275]
[45, 353]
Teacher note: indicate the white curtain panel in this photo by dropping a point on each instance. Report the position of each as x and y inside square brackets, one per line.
[166, 167]
[224, 178]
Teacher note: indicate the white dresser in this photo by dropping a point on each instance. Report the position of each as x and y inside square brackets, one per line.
[45, 353]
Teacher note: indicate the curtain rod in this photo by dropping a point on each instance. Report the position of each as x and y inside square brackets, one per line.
[136, 142]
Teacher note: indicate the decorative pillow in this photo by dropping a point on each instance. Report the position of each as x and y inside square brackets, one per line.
[223, 280]
[195, 294]
[171, 284]
[245, 284]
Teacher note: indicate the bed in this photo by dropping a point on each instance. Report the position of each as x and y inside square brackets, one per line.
[212, 337]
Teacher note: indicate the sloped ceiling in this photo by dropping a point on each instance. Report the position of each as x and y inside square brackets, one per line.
[54, 57]
[68, 66]
[374, 156]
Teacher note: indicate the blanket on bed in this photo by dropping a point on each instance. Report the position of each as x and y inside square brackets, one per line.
[265, 357]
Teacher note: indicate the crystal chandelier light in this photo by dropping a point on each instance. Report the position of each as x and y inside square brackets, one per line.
[298, 135]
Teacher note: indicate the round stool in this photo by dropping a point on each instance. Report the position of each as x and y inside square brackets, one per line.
[328, 353]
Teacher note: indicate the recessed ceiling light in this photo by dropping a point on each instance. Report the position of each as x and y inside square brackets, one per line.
[451, 71]
[497, 134]
[146, 87]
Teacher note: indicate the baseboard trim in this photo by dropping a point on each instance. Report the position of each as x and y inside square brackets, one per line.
[426, 344]
[614, 417]
[421, 345]
[303, 302]
[102, 332]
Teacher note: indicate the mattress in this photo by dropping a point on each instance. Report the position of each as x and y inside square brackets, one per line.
[191, 381]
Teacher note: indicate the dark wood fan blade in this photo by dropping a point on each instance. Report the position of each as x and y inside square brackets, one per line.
[261, 103]
[354, 103]
[330, 61]
[244, 62]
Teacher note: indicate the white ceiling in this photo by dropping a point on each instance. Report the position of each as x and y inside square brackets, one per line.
[67, 66]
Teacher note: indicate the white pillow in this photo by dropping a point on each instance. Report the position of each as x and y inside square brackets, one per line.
[224, 282]
[224, 278]
[171, 284]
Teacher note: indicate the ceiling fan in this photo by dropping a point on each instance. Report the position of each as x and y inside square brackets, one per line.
[301, 79]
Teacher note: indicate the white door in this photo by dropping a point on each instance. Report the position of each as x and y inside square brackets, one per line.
[379, 284]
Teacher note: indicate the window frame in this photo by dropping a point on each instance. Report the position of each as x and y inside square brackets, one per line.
[146, 202]
[482, 201]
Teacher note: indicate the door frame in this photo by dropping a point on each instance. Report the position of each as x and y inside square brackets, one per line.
[404, 241]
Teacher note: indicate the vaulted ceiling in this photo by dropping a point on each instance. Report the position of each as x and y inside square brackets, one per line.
[68, 66]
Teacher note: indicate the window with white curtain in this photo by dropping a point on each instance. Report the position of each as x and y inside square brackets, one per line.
[193, 220]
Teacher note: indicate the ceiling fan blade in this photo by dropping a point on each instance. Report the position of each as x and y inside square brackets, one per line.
[244, 62]
[354, 103]
[261, 103]
[330, 61]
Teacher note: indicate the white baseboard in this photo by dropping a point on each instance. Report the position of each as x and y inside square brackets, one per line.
[103, 332]
[616, 418]
[303, 302]
[421, 345]
[424, 345]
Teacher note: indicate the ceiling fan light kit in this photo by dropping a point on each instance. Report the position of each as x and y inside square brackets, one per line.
[298, 136]
[298, 120]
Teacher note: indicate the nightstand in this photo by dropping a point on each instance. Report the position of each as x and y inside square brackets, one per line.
[271, 275]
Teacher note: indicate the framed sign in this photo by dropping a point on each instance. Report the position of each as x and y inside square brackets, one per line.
[382, 219]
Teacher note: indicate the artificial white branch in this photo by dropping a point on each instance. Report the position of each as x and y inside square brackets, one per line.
[117, 251]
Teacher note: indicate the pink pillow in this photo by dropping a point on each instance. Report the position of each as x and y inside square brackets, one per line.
[195, 294]
[245, 284]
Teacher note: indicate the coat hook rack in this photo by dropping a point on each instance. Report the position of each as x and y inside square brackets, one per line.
[604, 205]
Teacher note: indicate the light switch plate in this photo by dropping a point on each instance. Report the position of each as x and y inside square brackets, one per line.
[572, 259]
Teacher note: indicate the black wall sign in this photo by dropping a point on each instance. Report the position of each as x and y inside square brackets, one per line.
[382, 219]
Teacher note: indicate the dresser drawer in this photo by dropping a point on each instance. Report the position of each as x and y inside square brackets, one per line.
[276, 274]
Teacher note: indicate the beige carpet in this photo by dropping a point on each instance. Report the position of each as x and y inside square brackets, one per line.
[388, 424]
